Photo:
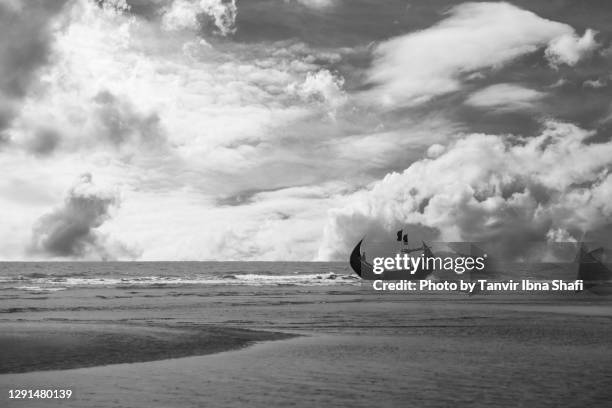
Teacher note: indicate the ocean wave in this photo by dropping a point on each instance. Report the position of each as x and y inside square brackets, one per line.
[39, 289]
[55, 283]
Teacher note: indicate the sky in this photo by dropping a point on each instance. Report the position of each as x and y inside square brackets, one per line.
[289, 129]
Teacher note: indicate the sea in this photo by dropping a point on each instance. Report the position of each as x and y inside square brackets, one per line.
[352, 345]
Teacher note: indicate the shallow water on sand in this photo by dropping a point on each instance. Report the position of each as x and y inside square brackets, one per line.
[357, 347]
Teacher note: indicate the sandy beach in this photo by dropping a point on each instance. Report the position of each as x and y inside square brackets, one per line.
[40, 346]
[548, 359]
[306, 340]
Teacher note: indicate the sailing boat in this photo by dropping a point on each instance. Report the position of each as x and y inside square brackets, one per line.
[596, 275]
[365, 269]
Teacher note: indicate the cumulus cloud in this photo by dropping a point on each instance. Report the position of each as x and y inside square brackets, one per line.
[185, 14]
[71, 231]
[181, 15]
[570, 48]
[505, 97]
[415, 67]
[488, 188]
[321, 86]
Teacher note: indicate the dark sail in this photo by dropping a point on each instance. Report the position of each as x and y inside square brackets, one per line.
[399, 235]
[355, 259]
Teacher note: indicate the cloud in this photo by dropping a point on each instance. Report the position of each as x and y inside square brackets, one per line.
[219, 145]
[71, 231]
[488, 188]
[107, 122]
[413, 68]
[284, 224]
[321, 86]
[116, 91]
[595, 83]
[115, 94]
[184, 14]
[318, 4]
[43, 142]
[181, 15]
[119, 123]
[505, 97]
[25, 45]
[569, 48]
[84, 100]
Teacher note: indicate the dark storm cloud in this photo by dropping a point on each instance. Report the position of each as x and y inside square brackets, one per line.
[25, 41]
[71, 230]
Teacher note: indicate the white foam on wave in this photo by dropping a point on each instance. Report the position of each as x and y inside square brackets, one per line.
[40, 288]
[47, 284]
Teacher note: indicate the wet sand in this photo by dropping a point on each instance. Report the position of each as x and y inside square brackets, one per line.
[479, 363]
[36, 346]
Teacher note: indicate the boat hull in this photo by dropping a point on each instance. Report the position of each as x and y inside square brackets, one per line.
[365, 270]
